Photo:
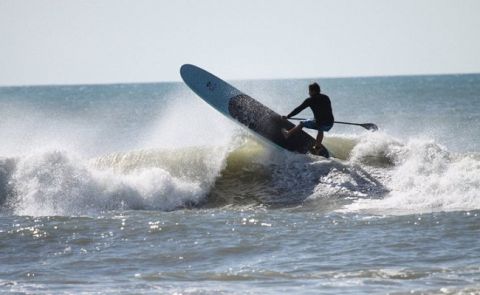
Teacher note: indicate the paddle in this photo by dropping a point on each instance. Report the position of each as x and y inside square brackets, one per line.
[368, 126]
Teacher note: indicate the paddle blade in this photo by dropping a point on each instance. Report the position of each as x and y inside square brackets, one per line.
[370, 126]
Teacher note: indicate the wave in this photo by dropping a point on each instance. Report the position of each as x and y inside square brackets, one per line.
[377, 174]
[244, 173]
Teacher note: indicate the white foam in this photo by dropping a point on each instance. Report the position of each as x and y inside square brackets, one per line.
[59, 183]
[425, 178]
[376, 148]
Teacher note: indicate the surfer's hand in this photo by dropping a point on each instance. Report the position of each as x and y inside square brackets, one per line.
[284, 118]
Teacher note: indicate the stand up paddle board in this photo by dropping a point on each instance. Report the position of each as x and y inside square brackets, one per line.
[247, 111]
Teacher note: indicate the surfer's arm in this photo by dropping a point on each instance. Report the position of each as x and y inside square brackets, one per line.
[300, 108]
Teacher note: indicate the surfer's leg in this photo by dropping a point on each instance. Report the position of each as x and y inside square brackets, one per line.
[319, 140]
[321, 129]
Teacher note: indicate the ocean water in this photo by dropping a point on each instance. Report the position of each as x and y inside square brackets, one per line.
[143, 188]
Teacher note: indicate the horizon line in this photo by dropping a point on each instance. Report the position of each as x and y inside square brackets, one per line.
[237, 79]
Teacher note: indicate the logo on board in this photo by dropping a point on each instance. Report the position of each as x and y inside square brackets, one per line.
[211, 86]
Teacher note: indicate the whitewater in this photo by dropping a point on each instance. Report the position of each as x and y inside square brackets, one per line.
[144, 188]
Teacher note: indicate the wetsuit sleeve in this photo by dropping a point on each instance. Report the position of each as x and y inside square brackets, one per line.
[300, 108]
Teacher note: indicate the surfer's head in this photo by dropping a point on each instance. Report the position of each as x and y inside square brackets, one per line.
[313, 89]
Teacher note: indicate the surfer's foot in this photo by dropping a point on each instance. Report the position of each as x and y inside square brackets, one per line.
[285, 133]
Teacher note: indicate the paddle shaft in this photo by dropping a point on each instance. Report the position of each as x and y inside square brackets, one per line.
[337, 122]
[348, 123]
[368, 126]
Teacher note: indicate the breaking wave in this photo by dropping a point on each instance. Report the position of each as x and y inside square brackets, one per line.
[243, 173]
[421, 176]
[374, 174]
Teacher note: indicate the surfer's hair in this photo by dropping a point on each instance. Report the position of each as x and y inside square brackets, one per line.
[314, 87]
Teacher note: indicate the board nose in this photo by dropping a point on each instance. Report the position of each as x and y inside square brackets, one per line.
[184, 69]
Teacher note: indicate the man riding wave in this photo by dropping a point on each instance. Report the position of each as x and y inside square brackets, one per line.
[322, 113]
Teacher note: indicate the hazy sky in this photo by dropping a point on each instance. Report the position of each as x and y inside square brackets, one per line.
[104, 41]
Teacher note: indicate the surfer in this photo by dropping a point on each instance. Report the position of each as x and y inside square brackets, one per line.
[322, 113]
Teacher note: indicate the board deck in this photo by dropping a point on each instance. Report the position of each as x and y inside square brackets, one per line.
[247, 111]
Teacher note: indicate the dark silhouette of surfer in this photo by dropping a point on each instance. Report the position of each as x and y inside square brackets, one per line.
[322, 113]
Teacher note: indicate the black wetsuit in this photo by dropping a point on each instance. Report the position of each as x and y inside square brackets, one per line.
[321, 108]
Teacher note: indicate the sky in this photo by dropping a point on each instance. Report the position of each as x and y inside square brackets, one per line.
[114, 41]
